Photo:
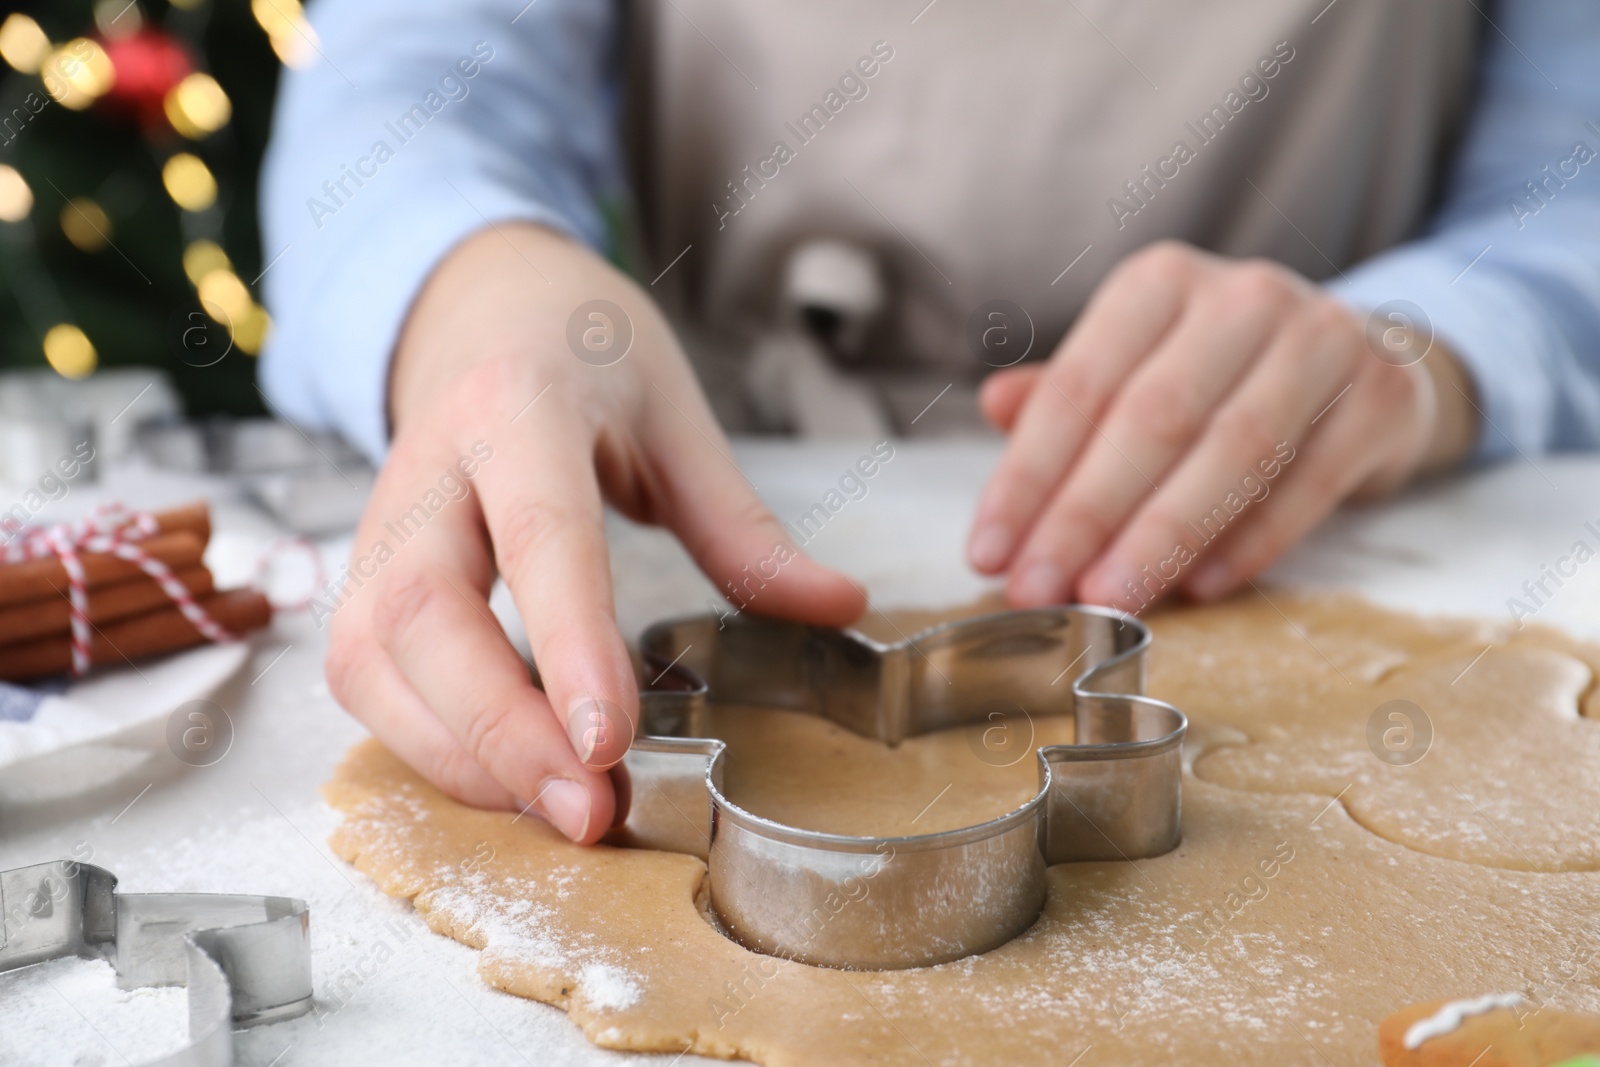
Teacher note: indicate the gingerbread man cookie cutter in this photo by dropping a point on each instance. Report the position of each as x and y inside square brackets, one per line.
[246, 960]
[878, 903]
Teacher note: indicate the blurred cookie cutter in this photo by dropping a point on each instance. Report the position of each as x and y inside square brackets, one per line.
[245, 959]
[878, 903]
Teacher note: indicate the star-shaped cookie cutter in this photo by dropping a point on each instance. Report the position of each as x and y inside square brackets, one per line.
[245, 959]
[877, 903]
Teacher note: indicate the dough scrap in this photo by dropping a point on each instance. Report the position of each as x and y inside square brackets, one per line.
[1274, 925]
[1512, 776]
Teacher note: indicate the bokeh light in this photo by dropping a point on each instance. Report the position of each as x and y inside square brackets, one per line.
[69, 350]
[23, 44]
[189, 182]
[225, 298]
[201, 258]
[197, 106]
[16, 199]
[251, 332]
[294, 42]
[78, 73]
[86, 224]
[116, 19]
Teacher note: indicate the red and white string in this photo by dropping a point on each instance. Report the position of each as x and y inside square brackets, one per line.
[111, 530]
[280, 549]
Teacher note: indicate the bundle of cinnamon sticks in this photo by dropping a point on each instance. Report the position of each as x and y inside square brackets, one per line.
[131, 616]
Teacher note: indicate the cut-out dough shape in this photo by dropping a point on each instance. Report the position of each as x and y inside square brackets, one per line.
[1277, 925]
[1512, 775]
[788, 767]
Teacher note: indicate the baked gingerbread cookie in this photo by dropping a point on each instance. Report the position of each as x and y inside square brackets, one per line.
[1496, 1030]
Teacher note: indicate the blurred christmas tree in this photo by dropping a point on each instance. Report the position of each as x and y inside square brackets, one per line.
[131, 133]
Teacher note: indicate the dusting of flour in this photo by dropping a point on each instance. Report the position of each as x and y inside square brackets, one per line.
[506, 916]
[374, 963]
[609, 987]
[71, 1011]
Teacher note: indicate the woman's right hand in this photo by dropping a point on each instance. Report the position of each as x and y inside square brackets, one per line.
[484, 381]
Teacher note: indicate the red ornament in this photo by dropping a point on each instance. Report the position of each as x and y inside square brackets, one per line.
[147, 65]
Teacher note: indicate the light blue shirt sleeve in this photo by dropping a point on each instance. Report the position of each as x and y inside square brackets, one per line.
[386, 154]
[419, 124]
[1508, 270]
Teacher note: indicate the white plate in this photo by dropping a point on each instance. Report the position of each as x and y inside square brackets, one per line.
[107, 724]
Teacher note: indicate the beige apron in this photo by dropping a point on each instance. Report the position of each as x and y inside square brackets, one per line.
[1019, 149]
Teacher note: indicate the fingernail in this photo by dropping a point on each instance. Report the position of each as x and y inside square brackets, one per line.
[990, 545]
[1039, 584]
[1109, 584]
[564, 805]
[1211, 581]
[599, 730]
[587, 725]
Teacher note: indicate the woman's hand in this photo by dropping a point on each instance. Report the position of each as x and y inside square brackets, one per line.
[503, 374]
[1201, 416]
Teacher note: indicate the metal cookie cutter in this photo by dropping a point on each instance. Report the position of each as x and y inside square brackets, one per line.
[245, 959]
[887, 902]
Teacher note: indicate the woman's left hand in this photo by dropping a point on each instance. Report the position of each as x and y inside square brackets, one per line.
[1202, 416]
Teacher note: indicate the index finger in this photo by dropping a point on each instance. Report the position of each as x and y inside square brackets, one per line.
[546, 520]
[1123, 323]
[431, 615]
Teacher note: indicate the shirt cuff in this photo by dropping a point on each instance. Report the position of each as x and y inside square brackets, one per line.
[327, 364]
[1489, 324]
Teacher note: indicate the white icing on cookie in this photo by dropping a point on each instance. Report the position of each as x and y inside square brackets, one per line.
[1449, 1018]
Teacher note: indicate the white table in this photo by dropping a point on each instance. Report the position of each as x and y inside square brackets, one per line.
[254, 822]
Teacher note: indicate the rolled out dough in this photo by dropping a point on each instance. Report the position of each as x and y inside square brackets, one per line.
[1511, 777]
[1282, 930]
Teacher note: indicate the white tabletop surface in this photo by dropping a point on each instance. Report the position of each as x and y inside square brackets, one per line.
[254, 822]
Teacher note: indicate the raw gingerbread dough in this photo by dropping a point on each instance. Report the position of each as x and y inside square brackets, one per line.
[1512, 776]
[1280, 931]
[818, 776]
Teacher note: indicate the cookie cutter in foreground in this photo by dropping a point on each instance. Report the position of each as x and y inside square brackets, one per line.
[245, 959]
[877, 903]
